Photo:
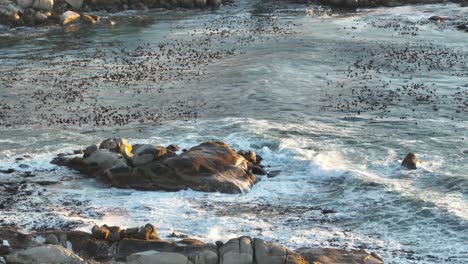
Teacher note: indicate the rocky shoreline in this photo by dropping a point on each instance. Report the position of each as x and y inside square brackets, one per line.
[15, 13]
[113, 244]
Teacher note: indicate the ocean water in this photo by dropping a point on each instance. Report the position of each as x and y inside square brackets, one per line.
[332, 99]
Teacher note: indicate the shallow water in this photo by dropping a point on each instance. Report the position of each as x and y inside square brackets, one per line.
[332, 99]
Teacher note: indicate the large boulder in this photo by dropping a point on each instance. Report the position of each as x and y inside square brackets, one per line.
[76, 4]
[411, 161]
[51, 254]
[210, 167]
[269, 253]
[44, 5]
[154, 257]
[338, 256]
[25, 3]
[237, 251]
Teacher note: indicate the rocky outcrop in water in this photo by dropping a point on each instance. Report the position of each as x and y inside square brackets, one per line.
[209, 167]
[411, 161]
[36, 12]
[81, 247]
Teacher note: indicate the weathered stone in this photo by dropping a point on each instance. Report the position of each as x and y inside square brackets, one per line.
[69, 17]
[44, 5]
[25, 3]
[76, 4]
[92, 19]
[154, 257]
[173, 147]
[148, 232]
[118, 145]
[411, 161]
[200, 3]
[50, 254]
[269, 253]
[40, 17]
[203, 257]
[100, 232]
[89, 150]
[147, 153]
[332, 256]
[258, 170]
[52, 239]
[237, 251]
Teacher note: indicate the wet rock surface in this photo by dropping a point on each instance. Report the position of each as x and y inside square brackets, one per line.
[82, 247]
[42, 12]
[210, 167]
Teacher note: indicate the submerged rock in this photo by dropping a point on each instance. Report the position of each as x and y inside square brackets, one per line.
[411, 161]
[210, 167]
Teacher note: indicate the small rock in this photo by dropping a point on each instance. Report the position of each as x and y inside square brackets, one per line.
[173, 147]
[411, 161]
[274, 173]
[100, 232]
[328, 211]
[148, 232]
[91, 19]
[258, 170]
[7, 171]
[69, 17]
[438, 18]
[40, 17]
[51, 254]
[23, 166]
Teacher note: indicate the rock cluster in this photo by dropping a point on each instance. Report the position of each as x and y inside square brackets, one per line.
[35, 12]
[81, 247]
[210, 167]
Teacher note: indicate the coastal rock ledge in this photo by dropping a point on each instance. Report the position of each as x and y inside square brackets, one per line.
[142, 246]
[209, 167]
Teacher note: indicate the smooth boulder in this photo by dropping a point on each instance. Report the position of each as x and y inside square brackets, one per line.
[44, 5]
[69, 16]
[51, 254]
[25, 3]
[154, 257]
[76, 4]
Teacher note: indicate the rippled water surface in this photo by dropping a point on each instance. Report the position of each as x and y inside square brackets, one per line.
[333, 99]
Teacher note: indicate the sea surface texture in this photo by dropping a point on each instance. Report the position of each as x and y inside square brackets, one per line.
[333, 99]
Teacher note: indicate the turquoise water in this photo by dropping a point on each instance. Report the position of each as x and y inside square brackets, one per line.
[332, 99]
